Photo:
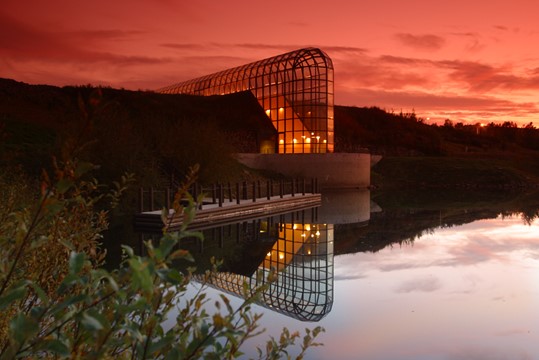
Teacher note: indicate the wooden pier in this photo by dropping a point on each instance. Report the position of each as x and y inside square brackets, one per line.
[229, 204]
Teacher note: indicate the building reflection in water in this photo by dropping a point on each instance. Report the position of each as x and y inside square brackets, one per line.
[299, 245]
[301, 253]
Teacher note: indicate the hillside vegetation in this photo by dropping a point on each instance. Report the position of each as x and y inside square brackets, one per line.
[155, 135]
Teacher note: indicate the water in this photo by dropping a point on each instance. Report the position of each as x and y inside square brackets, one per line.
[465, 292]
[428, 282]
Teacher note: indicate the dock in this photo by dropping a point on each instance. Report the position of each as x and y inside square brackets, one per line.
[213, 214]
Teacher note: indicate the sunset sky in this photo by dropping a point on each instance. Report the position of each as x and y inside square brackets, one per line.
[469, 61]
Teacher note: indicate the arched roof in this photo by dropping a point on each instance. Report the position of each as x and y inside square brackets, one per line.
[308, 59]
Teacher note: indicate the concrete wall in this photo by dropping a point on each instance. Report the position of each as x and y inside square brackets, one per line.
[333, 171]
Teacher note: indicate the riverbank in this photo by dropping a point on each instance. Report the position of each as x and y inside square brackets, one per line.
[455, 173]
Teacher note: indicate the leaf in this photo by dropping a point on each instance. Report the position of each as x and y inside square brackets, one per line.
[53, 206]
[166, 245]
[218, 321]
[90, 323]
[82, 168]
[67, 302]
[56, 347]
[141, 278]
[63, 185]
[173, 276]
[12, 296]
[182, 254]
[40, 293]
[128, 250]
[22, 328]
[76, 262]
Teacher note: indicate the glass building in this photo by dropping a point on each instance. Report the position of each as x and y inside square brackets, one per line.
[294, 89]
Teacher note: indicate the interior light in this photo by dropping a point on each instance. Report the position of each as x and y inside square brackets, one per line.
[268, 112]
[294, 141]
[281, 256]
[308, 227]
[281, 109]
[318, 233]
[308, 140]
[281, 141]
[268, 254]
[325, 141]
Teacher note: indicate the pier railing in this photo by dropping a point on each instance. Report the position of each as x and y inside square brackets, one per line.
[220, 194]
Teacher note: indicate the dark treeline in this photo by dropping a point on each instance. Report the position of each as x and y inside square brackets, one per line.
[145, 133]
[406, 134]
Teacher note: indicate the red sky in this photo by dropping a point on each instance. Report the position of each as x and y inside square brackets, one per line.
[470, 61]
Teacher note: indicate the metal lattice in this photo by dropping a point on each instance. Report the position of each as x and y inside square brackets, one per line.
[294, 89]
[303, 257]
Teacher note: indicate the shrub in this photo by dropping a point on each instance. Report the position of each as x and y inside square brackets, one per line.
[57, 301]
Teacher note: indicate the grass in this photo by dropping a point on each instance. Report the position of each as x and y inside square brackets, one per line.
[451, 172]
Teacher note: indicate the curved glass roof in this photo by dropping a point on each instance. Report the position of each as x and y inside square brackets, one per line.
[295, 90]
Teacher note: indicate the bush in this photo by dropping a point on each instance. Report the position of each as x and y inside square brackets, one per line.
[57, 301]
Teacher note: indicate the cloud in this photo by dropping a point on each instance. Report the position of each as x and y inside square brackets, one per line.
[212, 46]
[477, 352]
[23, 42]
[190, 47]
[426, 284]
[422, 42]
[349, 277]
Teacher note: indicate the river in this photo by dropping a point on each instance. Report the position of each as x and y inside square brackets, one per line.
[436, 280]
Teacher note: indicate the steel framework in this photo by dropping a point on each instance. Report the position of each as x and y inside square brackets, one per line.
[294, 89]
[303, 258]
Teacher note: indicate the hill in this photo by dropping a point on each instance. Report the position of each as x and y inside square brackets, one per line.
[153, 135]
[136, 131]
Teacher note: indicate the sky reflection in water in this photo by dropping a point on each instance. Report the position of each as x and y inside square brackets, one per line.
[465, 292]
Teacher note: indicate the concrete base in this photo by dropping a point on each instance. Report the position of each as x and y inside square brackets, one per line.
[333, 171]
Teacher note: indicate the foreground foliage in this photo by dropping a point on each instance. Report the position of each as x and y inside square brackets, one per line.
[56, 301]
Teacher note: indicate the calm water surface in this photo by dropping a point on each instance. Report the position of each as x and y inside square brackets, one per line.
[384, 286]
[466, 292]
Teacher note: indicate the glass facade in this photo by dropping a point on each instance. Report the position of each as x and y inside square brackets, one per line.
[302, 255]
[294, 89]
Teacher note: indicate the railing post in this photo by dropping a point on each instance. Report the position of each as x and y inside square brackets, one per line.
[268, 194]
[238, 197]
[303, 187]
[220, 186]
[254, 191]
[195, 191]
[293, 187]
[281, 188]
[151, 199]
[141, 199]
[244, 190]
[167, 198]
[229, 193]
[213, 193]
